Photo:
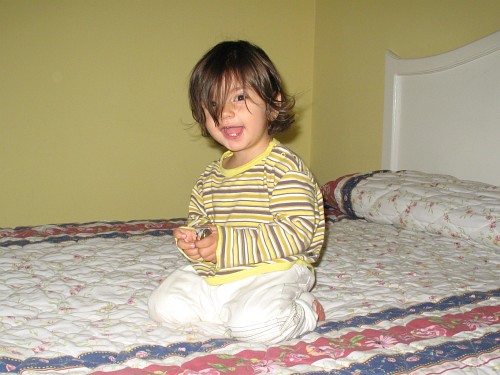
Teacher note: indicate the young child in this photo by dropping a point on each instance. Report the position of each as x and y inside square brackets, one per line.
[256, 220]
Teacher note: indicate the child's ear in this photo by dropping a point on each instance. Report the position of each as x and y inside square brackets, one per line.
[273, 113]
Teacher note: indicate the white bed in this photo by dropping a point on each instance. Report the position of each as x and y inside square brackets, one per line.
[409, 276]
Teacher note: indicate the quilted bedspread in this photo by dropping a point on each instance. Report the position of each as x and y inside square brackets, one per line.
[397, 300]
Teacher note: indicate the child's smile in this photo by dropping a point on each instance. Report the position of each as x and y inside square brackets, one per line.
[232, 132]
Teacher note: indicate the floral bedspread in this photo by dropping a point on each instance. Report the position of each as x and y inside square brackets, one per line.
[73, 299]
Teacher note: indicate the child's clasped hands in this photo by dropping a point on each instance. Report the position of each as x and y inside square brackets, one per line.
[198, 244]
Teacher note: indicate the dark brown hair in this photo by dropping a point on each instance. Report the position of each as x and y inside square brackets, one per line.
[244, 64]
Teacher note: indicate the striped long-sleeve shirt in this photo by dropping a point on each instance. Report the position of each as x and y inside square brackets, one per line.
[268, 213]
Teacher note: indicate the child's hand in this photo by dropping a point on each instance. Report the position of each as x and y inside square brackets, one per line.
[185, 239]
[207, 246]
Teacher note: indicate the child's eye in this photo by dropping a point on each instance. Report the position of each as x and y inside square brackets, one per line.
[239, 98]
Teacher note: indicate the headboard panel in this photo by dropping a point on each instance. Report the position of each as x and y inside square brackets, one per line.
[442, 113]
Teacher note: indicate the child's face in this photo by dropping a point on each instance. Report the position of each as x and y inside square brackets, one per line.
[243, 126]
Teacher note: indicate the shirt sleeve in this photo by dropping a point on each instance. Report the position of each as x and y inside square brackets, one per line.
[197, 215]
[295, 232]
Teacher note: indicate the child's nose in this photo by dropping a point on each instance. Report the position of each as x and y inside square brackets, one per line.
[228, 110]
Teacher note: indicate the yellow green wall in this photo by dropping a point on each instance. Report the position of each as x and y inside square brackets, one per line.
[351, 40]
[93, 94]
[94, 120]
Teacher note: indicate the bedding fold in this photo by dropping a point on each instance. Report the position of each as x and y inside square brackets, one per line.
[417, 201]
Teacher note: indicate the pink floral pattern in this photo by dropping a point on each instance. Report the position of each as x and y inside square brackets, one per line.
[276, 358]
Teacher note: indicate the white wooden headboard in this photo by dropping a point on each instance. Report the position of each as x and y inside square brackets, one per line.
[442, 113]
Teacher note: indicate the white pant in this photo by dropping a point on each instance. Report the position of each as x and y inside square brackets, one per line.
[269, 308]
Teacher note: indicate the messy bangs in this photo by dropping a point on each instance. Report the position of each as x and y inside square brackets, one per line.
[238, 64]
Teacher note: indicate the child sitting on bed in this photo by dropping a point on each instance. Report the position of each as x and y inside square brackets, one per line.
[256, 221]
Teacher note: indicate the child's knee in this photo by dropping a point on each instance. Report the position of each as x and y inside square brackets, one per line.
[168, 307]
[173, 302]
[158, 306]
[170, 310]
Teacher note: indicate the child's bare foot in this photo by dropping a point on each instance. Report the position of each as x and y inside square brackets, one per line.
[319, 310]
